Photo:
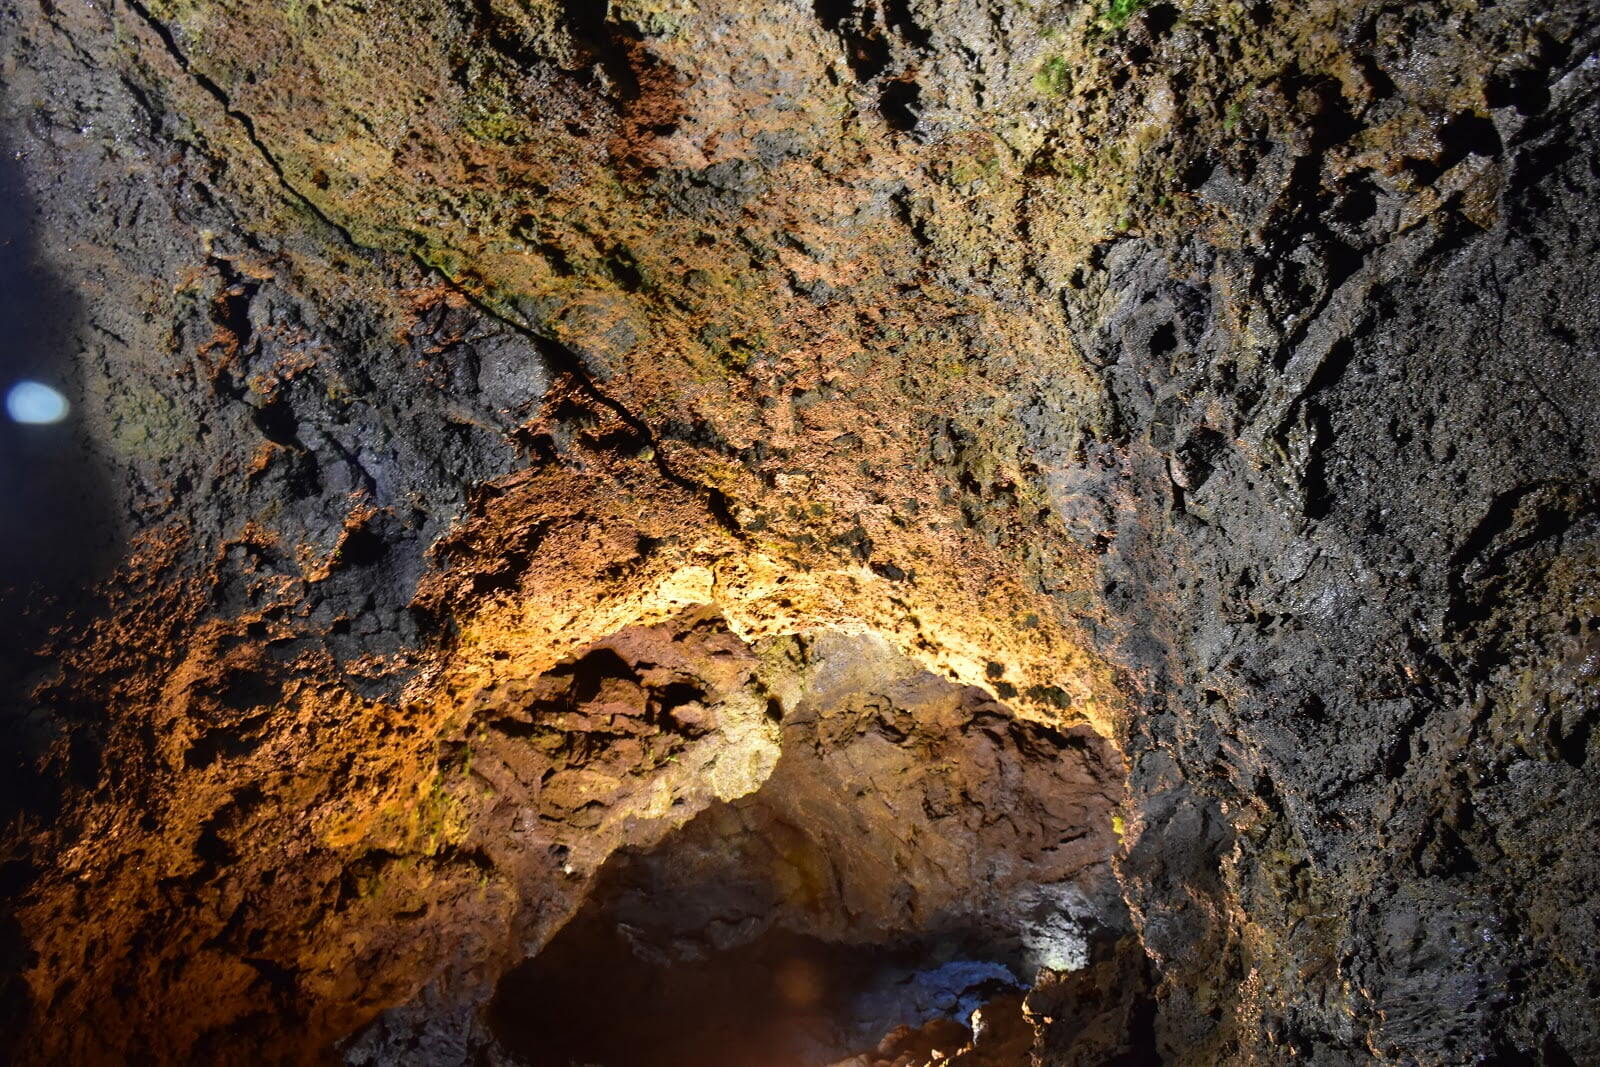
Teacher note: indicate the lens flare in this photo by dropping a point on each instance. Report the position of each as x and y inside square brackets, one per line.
[35, 404]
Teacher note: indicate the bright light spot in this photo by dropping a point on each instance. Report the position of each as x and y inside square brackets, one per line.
[35, 404]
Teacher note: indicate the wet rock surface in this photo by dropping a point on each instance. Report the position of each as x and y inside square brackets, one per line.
[1101, 486]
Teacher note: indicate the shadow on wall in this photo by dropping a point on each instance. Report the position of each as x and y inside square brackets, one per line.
[58, 533]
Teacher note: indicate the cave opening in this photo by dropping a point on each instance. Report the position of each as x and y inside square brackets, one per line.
[918, 853]
[603, 993]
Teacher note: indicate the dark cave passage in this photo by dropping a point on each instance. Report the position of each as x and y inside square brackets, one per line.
[917, 853]
[597, 996]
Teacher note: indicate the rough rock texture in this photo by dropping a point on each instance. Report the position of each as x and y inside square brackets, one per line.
[484, 412]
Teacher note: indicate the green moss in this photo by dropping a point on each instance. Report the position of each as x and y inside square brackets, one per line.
[146, 424]
[297, 12]
[437, 818]
[336, 390]
[1118, 12]
[655, 18]
[1230, 121]
[493, 125]
[1055, 75]
[733, 352]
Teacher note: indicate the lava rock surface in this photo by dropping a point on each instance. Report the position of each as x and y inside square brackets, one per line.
[511, 438]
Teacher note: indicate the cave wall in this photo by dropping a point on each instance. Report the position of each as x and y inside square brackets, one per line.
[1217, 376]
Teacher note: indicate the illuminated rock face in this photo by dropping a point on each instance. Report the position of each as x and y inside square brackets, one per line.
[889, 493]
